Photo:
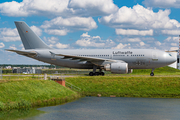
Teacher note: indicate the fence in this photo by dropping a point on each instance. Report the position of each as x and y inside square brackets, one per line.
[73, 87]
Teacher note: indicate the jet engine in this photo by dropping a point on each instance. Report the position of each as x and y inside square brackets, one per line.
[117, 68]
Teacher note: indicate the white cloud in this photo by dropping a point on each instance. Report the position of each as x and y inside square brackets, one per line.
[8, 34]
[94, 41]
[121, 46]
[171, 32]
[170, 42]
[36, 30]
[62, 46]
[2, 45]
[21, 46]
[85, 35]
[162, 3]
[142, 43]
[172, 39]
[13, 9]
[146, 42]
[140, 21]
[89, 43]
[158, 43]
[64, 8]
[12, 47]
[60, 26]
[134, 32]
[34, 7]
[51, 40]
[174, 48]
[93, 7]
[56, 32]
[133, 39]
[174, 44]
[9, 39]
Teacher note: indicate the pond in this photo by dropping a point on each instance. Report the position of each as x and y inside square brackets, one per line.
[106, 108]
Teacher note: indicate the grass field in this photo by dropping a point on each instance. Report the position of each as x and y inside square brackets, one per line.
[18, 94]
[128, 86]
[165, 83]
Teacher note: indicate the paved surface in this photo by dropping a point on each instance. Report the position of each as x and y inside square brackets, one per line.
[60, 76]
[63, 76]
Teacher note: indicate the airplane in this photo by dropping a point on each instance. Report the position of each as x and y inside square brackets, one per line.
[118, 61]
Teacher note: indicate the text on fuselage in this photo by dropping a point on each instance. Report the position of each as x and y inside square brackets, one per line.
[120, 52]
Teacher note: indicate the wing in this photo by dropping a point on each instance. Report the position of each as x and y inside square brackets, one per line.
[93, 60]
[25, 53]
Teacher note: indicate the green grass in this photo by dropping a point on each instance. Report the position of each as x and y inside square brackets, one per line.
[29, 77]
[159, 71]
[22, 94]
[128, 86]
[19, 114]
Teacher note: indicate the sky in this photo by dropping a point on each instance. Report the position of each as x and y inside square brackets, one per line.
[90, 24]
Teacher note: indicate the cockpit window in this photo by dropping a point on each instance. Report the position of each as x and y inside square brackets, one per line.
[170, 55]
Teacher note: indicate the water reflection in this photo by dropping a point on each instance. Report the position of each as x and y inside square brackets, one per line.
[105, 108]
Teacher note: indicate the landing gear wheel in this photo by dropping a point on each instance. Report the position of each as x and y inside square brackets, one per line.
[152, 74]
[102, 73]
[97, 73]
[91, 74]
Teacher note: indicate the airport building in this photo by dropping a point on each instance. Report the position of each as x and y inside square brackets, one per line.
[26, 70]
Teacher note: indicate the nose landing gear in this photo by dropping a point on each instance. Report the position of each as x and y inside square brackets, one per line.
[152, 72]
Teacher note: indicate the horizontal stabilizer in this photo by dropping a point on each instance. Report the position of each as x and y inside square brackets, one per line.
[26, 53]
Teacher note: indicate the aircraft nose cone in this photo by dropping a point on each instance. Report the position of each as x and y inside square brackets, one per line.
[174, 59]
[170, 59]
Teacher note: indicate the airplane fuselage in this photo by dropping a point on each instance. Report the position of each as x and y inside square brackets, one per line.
[136, 58]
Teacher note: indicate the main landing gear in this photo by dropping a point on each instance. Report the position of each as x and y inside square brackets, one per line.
[94, 73]
[152, 72]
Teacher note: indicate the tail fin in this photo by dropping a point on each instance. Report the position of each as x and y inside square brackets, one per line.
[29, 38]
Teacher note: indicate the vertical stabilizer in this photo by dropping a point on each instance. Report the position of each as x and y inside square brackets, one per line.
[29, 38]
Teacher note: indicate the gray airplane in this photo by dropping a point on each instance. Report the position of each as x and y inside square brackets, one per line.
[119, 61]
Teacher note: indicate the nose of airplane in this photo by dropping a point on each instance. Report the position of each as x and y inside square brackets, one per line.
[170, 59]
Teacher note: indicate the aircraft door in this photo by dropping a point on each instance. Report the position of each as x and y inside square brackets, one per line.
[154, 56]
[111, 56]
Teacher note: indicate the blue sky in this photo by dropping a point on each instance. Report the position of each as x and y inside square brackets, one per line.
[90, 24]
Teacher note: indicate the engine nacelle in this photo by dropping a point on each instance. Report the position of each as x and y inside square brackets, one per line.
[117, 68]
